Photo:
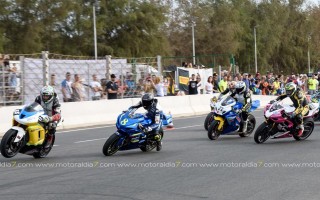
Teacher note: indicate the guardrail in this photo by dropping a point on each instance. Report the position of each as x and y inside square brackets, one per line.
[91, 113]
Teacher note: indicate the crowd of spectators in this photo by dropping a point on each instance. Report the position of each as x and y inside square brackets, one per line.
[269, 84]
[113, 87]
[9, 82]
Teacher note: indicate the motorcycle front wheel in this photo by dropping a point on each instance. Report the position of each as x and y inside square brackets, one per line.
[262, 133]
[213, 132]
[208, 120]
[110, 146]
[9, 148]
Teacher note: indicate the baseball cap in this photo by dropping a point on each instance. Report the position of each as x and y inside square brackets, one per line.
[113, 76]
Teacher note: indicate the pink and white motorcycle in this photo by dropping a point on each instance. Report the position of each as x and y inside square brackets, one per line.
[278, 123]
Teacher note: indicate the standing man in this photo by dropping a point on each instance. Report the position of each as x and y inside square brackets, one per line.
[312, 85]
[192, 85]
[223, 84]
[112, 88]
[96, 88]
[66, 88]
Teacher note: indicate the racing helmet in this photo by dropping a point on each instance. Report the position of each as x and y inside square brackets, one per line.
[47, 94]
[232, 86]
[240, 87]
[290, 88]
[147, 100]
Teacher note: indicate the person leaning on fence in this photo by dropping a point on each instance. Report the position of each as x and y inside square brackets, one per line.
[149, 86]
[95, 88]
[112, 88]
[77, 88]
[66, 88]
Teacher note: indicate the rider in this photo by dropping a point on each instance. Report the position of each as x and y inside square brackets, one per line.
[241, 94]
[299, 102]
[149, 103]
[48, 99]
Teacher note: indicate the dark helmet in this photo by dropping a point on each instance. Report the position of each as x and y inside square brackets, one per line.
[147, 100]
[290, 88]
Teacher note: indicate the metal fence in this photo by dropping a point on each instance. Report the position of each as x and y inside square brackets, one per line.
[33, 71]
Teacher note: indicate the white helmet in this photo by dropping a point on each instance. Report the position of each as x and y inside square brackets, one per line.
[240, 87]
[47, 94]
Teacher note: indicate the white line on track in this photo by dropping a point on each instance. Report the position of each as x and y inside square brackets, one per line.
[92, 140]
[89, 140]
[83, 129]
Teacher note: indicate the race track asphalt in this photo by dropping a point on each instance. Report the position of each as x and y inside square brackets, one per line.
[190, 166]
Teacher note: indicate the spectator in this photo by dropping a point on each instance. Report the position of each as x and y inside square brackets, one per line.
[209, 85]
[149, 86]
[53, 81]
[66, 88]
[130, 85]
[312, 85]
[246, 80]
[112, 88]
[96, 88]
[166, 85]
[78, 89]
[264, 86]
[215, 83]
[159, 87]
[199, 84]
[192, 85]
[140, 87]
[223, 84]
[276, 87]
[13, 82]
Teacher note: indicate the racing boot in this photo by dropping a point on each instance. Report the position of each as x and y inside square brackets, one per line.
[157, 138]
[245, 126]
[300, 130]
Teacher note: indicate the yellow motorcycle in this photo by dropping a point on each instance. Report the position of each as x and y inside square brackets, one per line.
[27, 135]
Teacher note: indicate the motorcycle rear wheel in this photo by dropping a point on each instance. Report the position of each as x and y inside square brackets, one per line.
[149, 147]
[43, 152]
[308, 129]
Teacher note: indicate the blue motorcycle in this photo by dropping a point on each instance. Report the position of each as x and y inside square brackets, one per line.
[227, 118]
[129, 136]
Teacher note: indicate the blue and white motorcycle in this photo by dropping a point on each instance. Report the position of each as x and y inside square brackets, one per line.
[227, 118]
[130, 136]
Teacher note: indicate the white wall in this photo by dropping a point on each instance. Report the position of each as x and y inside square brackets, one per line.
[81, 114]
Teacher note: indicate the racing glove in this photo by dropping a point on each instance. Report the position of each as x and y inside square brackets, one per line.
[44, 118]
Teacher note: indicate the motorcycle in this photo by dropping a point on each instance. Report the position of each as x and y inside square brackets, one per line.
[278, 123]
[315, 98]
[129, 136]
[227, 118]
[27, 135]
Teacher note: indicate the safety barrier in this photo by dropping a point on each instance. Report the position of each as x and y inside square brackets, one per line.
[91, 113]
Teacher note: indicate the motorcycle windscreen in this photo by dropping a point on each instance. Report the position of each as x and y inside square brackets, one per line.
[30, 110]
